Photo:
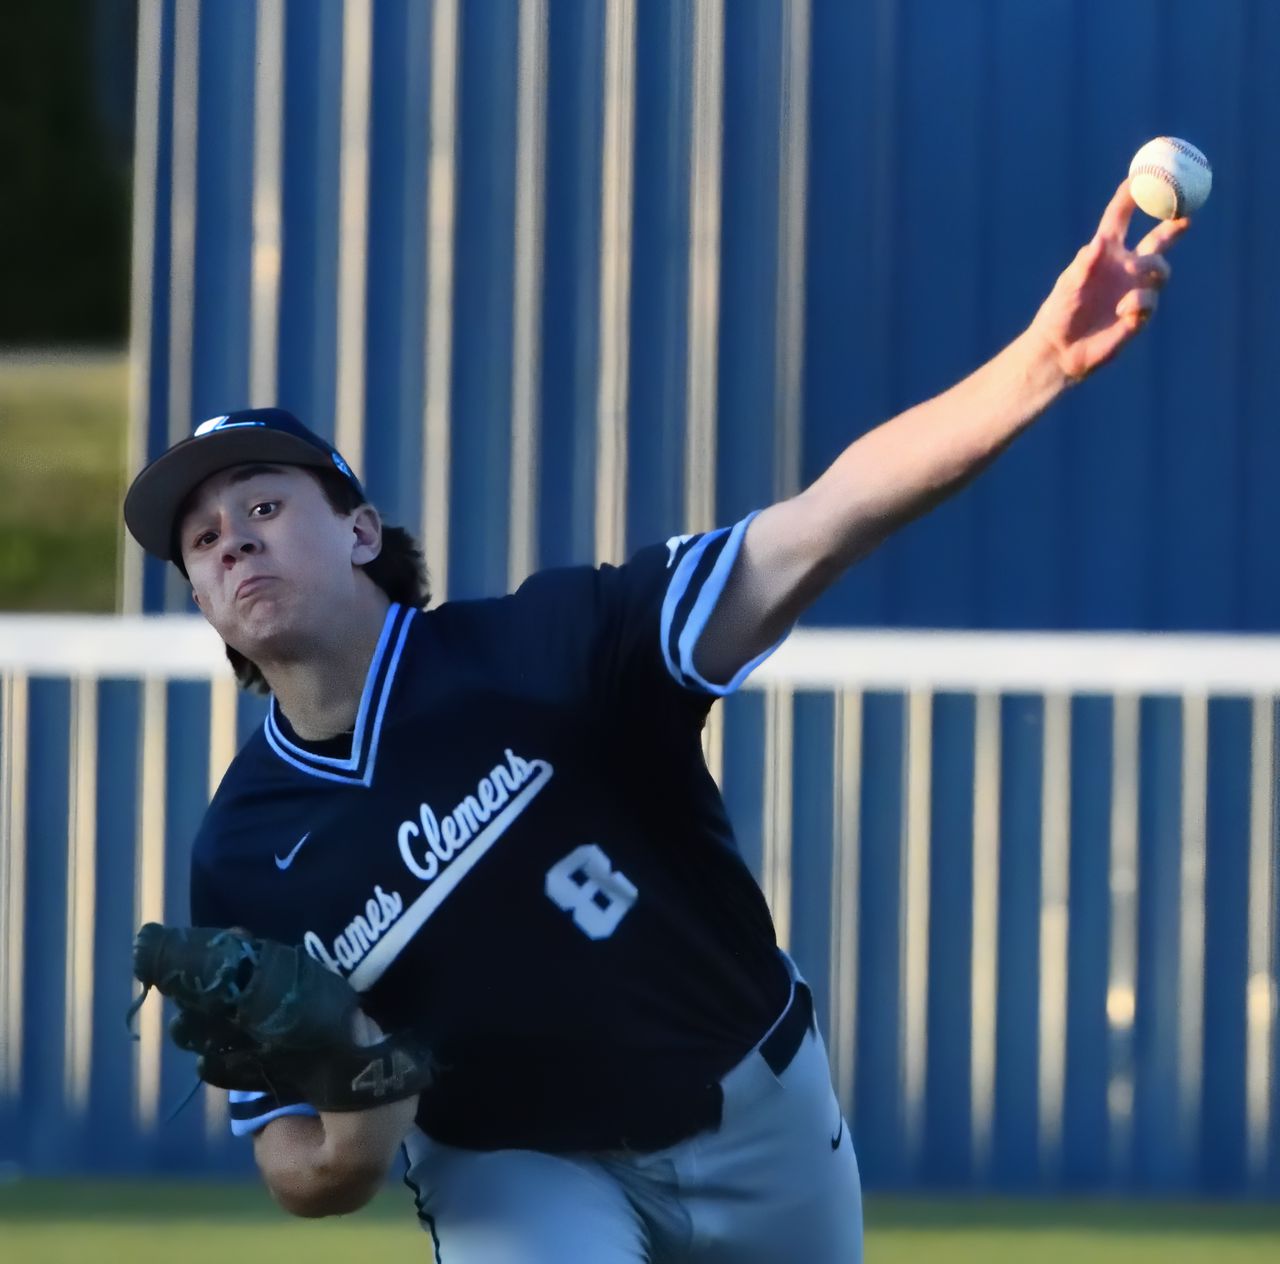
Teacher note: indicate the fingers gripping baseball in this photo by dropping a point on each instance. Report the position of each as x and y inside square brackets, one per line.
[1145, 266]
[1108, 292]
[1161, 237]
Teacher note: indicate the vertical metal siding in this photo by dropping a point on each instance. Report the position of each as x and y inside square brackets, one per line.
[877, 1100]
[570, 277]
[1015, 1132]
[570, 301]
[224, 193]
[1223, 1123]
[831, 212]
[44, 983]
[659, 312]
[1085, 1126]
[483, 293]
[395, 311]
[530, 227]
[947, 1143]
[851, 291]
[111, 1096]
[1020, 574]
[745, 369]
[149, 411]
[309, 265]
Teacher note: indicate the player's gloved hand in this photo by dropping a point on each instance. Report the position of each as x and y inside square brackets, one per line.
[226, 1058]
[265, 1016]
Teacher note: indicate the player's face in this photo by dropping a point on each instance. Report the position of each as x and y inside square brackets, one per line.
[269, 560]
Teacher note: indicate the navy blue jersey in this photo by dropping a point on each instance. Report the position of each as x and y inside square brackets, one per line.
[519, 852]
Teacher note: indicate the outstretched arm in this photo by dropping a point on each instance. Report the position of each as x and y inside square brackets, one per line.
[794, 550]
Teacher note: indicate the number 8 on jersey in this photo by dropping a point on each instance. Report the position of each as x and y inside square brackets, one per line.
[586, 885]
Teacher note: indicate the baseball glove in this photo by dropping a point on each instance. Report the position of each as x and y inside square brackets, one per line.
[265, 1016]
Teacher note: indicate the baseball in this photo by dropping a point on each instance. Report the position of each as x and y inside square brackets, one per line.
[1170, 178]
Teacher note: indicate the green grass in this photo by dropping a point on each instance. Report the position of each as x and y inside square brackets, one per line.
[160, 1222]
[62, 467]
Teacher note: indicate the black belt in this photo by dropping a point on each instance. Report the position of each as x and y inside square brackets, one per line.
[675, 1111]
[780, 1045]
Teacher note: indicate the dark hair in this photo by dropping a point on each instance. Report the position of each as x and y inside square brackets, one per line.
[399, 570]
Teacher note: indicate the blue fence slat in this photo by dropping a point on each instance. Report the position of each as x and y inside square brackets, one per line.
[1085, 1119]
[395, 330]
[659, 274]
[878, 1113]
[178, 1140]
[948, 1130]
[309, 194]
[186, 787]
[45, 942]
[1226, 948]
[224, 209]
[748, 258]
[111, 1085]
[812, 836]
[483, 297]
[1158, 1161]
[1015, 1157]
[155, 436]
[570, 309]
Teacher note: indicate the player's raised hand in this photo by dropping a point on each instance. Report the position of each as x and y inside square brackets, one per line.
[1108, 292]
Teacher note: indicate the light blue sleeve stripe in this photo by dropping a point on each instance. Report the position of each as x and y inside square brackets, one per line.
[246, 1127]
[675, 590]
[701, 612]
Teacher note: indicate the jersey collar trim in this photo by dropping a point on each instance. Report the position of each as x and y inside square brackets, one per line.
[358, 767]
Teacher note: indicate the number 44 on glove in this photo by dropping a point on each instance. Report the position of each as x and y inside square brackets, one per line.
[266, 1017]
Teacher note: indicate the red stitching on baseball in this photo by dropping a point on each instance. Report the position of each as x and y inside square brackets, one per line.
[1160, 173]
[1188, 150]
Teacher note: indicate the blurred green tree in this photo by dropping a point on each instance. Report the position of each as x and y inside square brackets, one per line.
[65, 164]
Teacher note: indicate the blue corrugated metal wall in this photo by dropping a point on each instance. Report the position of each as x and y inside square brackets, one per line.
[887, 190]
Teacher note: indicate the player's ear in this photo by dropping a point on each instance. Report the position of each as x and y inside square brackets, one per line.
[366, 533]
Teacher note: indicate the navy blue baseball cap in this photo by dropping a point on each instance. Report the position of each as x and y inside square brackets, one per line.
[268, 435]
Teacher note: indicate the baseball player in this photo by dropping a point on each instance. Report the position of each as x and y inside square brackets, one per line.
[493, 821]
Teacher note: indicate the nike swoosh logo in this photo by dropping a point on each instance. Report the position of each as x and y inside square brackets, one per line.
[297, 847]
[835, 1141]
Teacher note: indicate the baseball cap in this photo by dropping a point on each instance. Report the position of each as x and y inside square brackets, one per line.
[268, 435]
